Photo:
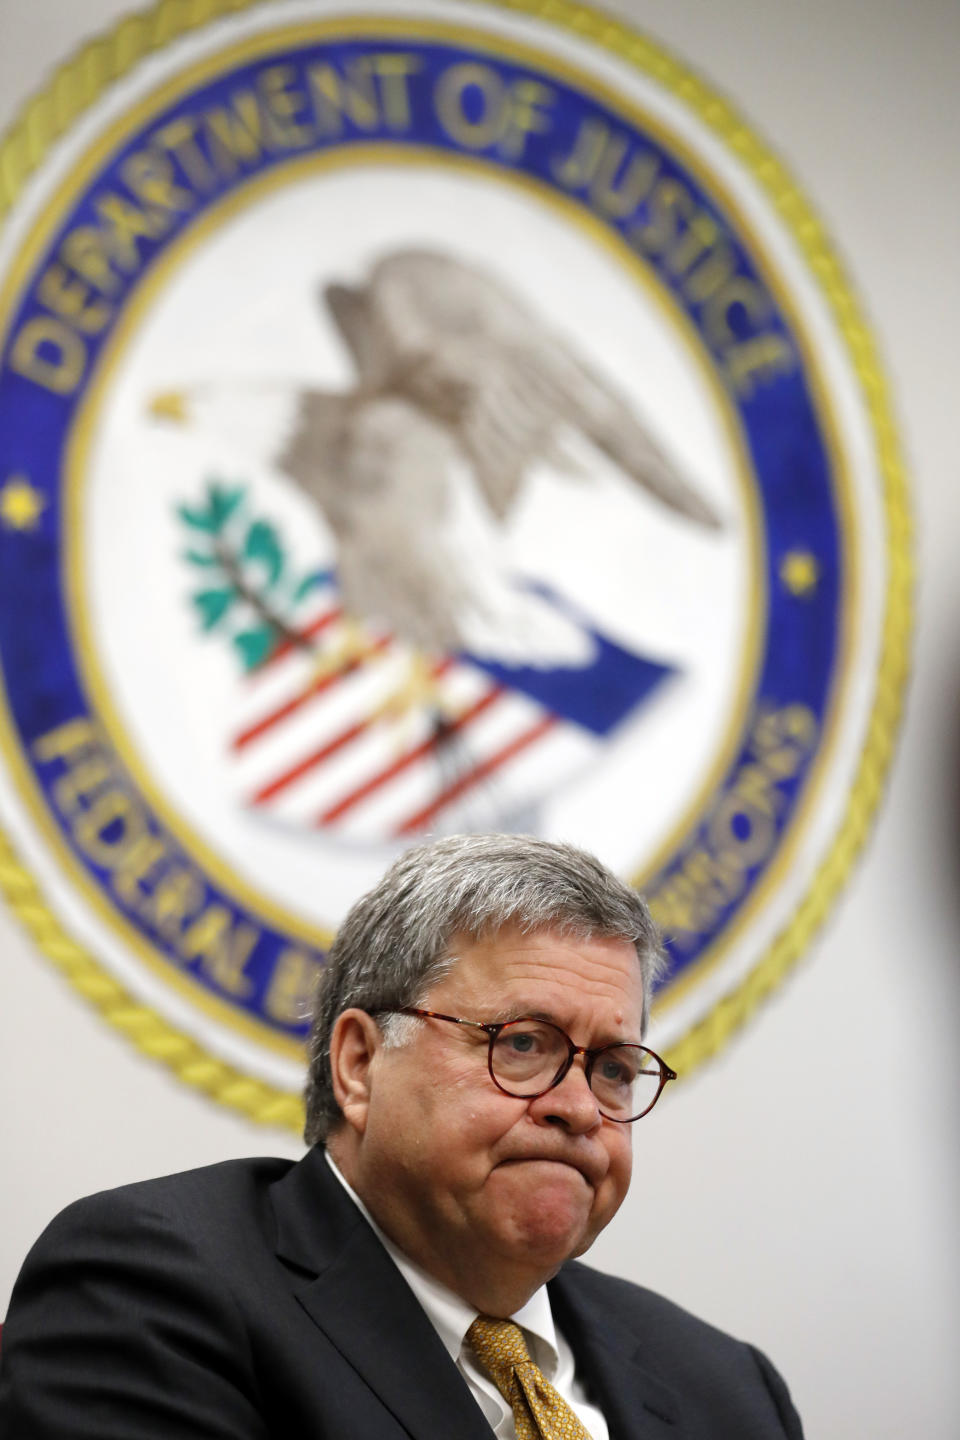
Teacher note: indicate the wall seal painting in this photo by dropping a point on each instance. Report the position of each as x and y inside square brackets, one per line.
[419, 418]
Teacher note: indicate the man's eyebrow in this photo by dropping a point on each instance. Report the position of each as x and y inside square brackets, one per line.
[525, 1012]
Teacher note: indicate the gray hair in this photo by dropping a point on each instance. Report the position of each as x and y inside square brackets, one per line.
[392, 948]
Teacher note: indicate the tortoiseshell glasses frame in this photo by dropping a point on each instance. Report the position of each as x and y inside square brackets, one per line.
[629, 1063]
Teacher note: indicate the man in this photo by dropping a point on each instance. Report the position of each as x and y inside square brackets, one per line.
[475, 1064]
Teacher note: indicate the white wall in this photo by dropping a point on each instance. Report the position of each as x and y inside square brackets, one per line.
[811, 1209]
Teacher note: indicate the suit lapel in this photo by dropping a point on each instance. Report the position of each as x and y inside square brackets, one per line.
[636, 1404]
[365, 1308]
[354, 1293]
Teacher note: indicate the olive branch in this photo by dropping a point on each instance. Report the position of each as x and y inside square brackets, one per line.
[252, 591]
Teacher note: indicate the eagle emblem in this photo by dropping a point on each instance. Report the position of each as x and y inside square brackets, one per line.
[461, 389]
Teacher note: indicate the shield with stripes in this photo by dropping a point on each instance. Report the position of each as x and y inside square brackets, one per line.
[347, 746]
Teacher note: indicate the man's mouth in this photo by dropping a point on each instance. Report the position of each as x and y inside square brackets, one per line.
[559, 1160]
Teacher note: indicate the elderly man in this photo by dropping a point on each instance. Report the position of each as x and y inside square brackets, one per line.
[476, 1061]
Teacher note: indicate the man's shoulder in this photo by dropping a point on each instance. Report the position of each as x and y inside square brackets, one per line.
[209, 1196]
[634, 1304]
[715, 1376]
[223, 1178]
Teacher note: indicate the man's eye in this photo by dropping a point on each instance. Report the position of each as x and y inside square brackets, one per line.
[522, 1044]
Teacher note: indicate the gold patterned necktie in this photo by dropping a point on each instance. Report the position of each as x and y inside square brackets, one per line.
[539, 1411]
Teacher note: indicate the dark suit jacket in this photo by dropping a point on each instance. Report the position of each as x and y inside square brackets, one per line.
[251, 1299]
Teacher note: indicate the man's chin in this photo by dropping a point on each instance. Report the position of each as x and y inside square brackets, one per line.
[550, 1208]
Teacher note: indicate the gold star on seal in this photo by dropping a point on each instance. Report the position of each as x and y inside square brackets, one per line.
[20, 504]
[799, 572]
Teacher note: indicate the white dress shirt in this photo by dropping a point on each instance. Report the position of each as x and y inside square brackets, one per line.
[452, 1317]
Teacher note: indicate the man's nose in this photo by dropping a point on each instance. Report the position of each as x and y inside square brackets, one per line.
[571, 1104]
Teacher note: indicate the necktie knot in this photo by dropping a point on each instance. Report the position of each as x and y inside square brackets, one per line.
[500, 1347]
[539, 1412]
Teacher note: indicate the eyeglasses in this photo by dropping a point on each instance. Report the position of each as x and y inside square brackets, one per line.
[527, 1057]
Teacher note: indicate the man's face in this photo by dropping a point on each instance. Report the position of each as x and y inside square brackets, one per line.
[462, 1176]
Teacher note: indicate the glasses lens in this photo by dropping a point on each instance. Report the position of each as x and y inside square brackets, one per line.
[625, 1080]
[527, 1056]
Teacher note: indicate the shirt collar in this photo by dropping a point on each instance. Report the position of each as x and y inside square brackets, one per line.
[450, 1315]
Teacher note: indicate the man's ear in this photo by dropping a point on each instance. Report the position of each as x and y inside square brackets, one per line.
[354, 1042]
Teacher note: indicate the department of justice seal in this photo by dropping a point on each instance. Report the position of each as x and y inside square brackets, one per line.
[432, 418]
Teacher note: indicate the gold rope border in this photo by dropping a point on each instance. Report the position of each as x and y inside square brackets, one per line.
[75, 86]
[142, 1027]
